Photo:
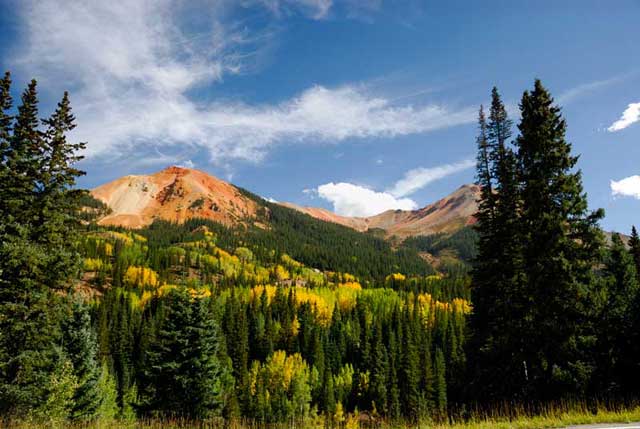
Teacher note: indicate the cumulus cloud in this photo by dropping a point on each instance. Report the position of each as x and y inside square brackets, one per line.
[354, 200]
[627, 187]
[134, 72]
[629, 116]
[420, 177]
[349, 199]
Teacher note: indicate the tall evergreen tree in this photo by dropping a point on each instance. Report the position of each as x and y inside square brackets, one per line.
[563, 242]
[30, 314]
[634, 247]
[82, 348]
[497, 283]
[183, 369]
[617, 372]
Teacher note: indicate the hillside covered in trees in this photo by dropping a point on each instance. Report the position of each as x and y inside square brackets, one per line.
[308, 321]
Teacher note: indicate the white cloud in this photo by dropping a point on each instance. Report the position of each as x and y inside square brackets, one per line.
[353, 200]
[133, 70]
[587, 88]
[316, 9]
[627, 187]
[420, 177]
[629, 116]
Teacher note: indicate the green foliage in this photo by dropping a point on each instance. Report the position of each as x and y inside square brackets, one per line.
[182, 366]
[463, 242]
[82, 348]
[533, 278]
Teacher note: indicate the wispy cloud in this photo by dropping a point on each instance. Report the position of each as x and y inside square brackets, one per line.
[629, 116]
[132, 69]
[316, 9]
[579, 91]
[627, 187]
[349, 199]
[420, 177]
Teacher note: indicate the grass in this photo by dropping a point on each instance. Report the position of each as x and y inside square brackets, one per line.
[556, 416]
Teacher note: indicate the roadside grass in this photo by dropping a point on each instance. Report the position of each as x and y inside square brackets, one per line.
[555, 416]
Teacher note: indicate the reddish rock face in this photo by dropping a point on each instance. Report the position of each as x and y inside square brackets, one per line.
[175, 194]
[178, 194]
[446, 215]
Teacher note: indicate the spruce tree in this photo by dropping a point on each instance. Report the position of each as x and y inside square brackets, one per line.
[497, 275]
[6, 122]
[563, 243]
[183, 368]
[30, 313]
[617, 370]
[82, 348]
[439, 367]
[634, 248]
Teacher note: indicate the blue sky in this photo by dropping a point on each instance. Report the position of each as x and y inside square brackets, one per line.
[352, 105]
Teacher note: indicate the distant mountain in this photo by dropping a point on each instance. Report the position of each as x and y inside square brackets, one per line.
[444, 216]
[178, 194]
[174, 194]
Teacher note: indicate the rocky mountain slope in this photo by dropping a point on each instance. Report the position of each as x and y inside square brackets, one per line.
[446, 215]
[175, 194]
[178, 194]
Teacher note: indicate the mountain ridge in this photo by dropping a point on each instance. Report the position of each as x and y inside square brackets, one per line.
[177, 194]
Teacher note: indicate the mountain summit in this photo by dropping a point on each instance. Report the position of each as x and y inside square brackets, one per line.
[178, 194]
[445, 215]
[174, 194]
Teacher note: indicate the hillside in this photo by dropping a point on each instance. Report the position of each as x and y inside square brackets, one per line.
[174, 194]
[446, 215]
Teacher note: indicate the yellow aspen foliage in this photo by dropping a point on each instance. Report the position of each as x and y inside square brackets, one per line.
[139, 238]
[146, 296]
[108, 249]
[140, 277]
[288, 260]
[164, 289]
[351, 285]
[295, 326]
[120, 236]
[397, 277]
[281, 273]
[92, 264]
[257, 291]
[338, 416]
[199, 293]
[353, 420]
[346, 277]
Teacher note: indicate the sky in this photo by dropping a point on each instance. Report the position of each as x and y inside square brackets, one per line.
[357, 106]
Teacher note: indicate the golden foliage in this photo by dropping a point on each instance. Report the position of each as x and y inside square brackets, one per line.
[396, 277]
[140, 277]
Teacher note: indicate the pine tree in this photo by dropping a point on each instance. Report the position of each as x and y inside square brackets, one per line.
[379, 371]
[497, 284]
[439, 367]
[617, 361]
[183, 367]
[410, 370]
[30, 313]
[82, 348]
[562, 245]
[634, 246]
[6, 125]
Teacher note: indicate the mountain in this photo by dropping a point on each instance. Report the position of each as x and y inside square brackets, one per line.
[177, 194]
[174, 194]
[444, 216]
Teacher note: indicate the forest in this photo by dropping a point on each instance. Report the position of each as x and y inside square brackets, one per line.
[308, 322]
